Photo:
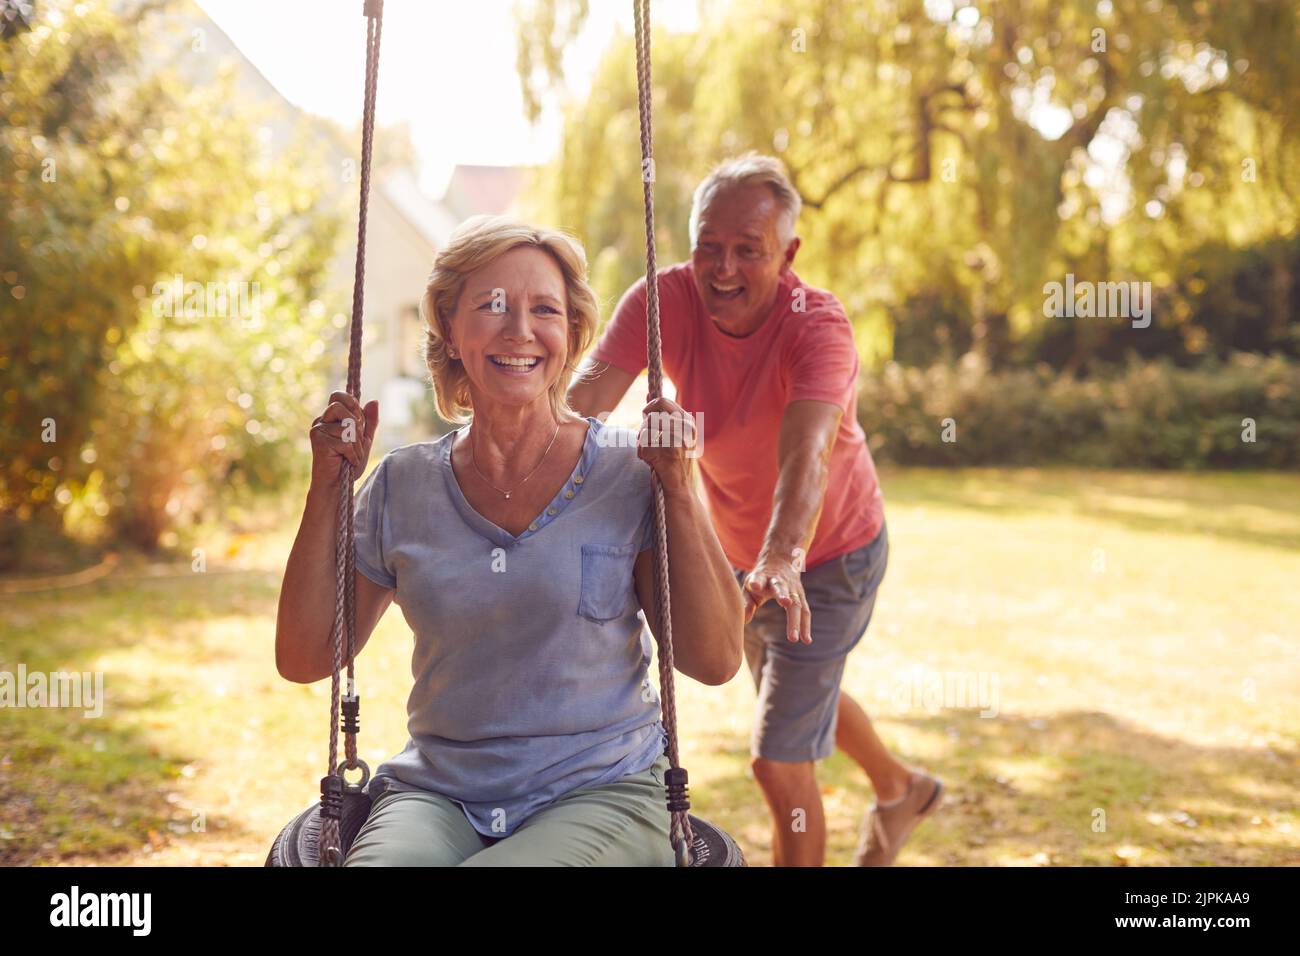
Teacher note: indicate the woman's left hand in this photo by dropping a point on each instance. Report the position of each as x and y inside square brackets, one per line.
[667, 443]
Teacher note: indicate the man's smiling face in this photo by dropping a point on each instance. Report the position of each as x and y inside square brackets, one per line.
[739, 257]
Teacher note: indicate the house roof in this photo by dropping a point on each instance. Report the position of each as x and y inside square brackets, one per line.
[471, 190]
[432, 219]
[397, 187]
[482, 189]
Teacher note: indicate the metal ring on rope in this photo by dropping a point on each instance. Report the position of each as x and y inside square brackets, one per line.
[354, 765]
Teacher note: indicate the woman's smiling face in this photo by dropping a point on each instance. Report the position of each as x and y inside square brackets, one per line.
[511, 328]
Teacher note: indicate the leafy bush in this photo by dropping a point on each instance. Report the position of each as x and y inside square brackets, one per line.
[1143, 415]
[116, 411]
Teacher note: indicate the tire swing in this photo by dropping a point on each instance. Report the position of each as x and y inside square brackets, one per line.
[322, 834]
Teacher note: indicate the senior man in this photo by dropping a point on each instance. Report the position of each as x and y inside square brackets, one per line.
[769, 364]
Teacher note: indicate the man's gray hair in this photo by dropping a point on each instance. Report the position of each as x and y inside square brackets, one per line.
[745, 170]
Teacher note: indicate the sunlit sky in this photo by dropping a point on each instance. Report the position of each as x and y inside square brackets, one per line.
[446, 67]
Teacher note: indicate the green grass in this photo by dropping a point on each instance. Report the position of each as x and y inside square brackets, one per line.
[1142, 629]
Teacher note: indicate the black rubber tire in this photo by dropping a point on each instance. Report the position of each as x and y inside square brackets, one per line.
[712, 846]
[297, 843]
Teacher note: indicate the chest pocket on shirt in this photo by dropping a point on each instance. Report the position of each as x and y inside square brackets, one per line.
[606, 581]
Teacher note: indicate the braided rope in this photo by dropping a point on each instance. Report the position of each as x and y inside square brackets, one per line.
[680, 831]
[345, 612]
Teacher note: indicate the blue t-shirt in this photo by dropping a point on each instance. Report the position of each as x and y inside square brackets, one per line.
[530, 662]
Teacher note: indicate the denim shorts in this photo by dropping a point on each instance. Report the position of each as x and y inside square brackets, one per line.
[799, 684]
[624, 823]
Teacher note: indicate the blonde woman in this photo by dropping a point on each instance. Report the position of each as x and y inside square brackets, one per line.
[519, 548]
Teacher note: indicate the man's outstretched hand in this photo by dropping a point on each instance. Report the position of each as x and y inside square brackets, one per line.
[780, 581]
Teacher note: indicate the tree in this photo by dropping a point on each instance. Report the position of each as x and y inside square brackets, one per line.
[162, 286]
[954, 153]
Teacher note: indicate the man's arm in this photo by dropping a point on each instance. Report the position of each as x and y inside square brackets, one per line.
[603, 392]
[808, 430]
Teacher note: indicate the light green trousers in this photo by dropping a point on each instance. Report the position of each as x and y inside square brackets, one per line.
[624, 823]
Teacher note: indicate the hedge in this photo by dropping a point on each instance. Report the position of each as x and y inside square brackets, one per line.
[1141, 415]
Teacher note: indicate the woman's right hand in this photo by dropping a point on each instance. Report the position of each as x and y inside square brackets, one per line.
[342, 419]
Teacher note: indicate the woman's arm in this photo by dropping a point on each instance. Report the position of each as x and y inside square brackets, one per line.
[707, 605]
[304, 624]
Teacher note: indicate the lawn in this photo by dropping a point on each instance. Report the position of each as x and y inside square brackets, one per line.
[1102, 666]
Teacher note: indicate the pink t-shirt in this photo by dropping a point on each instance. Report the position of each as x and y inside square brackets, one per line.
[742, 386]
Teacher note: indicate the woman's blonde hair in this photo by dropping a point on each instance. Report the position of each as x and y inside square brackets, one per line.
[476, 242]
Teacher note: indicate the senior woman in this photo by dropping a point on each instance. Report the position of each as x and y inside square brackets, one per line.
[519, 549]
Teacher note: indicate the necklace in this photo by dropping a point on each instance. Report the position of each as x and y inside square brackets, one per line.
[507, 494]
